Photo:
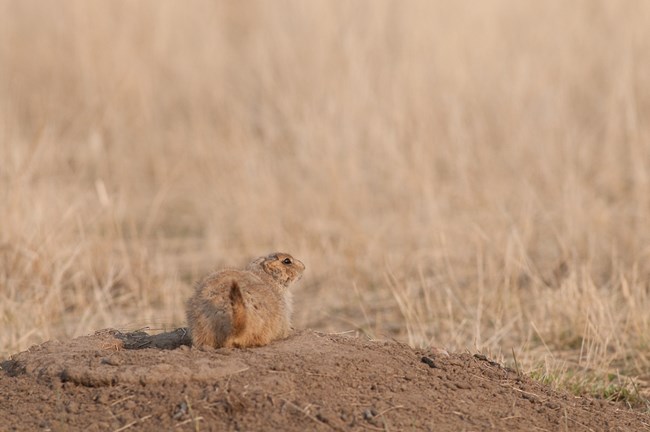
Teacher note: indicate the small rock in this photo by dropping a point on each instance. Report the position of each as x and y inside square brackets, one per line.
[369, 414]
[429, 362]
[529, 397]
[181, 410]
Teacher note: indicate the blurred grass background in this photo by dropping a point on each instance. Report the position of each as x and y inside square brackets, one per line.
[471, 175]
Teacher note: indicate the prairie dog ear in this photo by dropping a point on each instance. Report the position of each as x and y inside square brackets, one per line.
[271, 267]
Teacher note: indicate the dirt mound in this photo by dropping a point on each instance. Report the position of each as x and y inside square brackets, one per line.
[311, 381]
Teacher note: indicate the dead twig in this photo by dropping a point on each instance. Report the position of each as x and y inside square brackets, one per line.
[134, 422]
[189, 421]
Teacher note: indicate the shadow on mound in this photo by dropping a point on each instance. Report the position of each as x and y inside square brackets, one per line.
[168, 340]
[310, 381]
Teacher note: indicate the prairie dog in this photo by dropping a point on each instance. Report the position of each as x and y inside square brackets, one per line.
[244, 308]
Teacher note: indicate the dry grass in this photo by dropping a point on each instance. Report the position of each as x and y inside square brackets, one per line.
[464, 174]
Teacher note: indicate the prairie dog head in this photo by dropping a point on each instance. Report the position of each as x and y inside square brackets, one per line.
[280, 267]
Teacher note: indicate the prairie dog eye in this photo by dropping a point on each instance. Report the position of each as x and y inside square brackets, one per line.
[287, 261]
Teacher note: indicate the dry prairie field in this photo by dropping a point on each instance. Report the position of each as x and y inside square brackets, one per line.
[473, 176]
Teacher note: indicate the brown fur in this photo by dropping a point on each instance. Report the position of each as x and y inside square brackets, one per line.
[243, 308]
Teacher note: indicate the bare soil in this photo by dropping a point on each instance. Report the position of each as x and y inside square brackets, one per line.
[310, 381]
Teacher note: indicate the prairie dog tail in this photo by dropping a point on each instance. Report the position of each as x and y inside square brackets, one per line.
[238, 309]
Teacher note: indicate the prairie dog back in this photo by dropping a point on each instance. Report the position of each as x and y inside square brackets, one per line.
[245, 308]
